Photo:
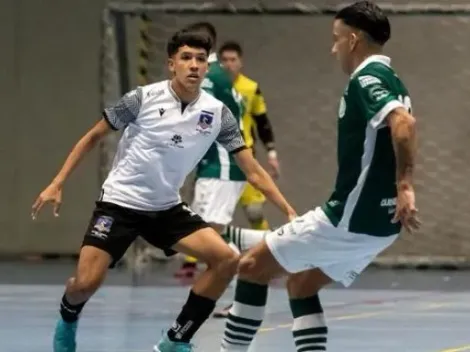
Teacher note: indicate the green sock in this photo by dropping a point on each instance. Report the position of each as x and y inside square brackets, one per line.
[245, 317]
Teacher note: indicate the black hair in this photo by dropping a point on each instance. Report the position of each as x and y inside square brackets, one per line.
[367, 16]
[191, 39]
[231, 45]
[202, 26]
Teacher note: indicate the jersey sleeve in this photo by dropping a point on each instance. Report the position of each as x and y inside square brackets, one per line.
[125, 110]
[374, 97]
[230, 136]
[259, 105]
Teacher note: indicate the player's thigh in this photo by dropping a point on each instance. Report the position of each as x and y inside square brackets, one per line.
[216, 200]
[111, 230]
[206, 245]
[312, 242]
[251, 195]
[180, 229]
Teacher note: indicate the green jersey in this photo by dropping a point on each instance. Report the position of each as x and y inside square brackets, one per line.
[218, 163]
[364, 198]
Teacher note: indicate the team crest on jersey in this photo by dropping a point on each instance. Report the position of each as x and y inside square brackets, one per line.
[204, 124]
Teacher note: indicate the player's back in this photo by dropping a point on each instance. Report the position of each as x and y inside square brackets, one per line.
[365, 191]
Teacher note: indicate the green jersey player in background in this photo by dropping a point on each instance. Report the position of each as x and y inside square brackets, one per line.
[219, 181]
[373, 196]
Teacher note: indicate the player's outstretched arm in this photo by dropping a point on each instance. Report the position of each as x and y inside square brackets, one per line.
[114, 118]
[53, 192]
[402, 125]
[231, 138]
[260, 179]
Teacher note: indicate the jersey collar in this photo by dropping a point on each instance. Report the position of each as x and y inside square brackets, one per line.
[175, 96]
[373, 58]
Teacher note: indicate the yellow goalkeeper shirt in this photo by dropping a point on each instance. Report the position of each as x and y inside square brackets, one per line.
[254, 105]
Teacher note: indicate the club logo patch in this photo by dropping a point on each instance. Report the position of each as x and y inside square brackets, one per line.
[204, 125]
[102, 227]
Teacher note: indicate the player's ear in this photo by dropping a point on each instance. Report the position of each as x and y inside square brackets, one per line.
[353, 40]
[171, 65]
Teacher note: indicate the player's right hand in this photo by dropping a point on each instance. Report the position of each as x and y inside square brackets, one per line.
[52, 194]
[406, 211]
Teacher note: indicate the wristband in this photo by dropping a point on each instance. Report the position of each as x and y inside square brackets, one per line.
[272, 154]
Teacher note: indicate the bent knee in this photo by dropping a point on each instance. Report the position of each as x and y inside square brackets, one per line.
[227, 264]
[250, 268]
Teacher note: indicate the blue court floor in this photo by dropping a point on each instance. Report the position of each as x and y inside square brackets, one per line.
[384, 311]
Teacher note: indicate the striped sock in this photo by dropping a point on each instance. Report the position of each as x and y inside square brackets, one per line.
[243, 238]
[245, 317]
[309, 328]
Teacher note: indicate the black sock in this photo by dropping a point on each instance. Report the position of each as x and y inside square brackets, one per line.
[194, 313]
[70, 312]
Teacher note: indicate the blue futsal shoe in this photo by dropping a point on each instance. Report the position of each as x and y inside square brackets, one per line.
[166, 345]
[64, 336]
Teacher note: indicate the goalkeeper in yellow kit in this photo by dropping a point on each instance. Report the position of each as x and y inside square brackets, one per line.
[254, 118]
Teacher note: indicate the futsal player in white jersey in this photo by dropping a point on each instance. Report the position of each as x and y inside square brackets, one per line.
[167, 128]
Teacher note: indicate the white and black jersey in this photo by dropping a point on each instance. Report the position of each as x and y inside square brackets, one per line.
[162, 142]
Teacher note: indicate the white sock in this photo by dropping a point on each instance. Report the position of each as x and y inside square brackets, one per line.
[243, 238]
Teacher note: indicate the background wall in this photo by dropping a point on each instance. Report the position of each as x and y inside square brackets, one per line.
[49, 95]
[49, 91]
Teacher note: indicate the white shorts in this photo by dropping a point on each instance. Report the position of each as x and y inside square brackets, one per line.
[311, 241]
[216, 200]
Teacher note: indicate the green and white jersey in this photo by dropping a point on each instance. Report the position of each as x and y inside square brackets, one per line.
[218, 163]
[364, 198]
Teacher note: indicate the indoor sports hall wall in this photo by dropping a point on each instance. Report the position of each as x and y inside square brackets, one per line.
[290, 57]
[49, 93]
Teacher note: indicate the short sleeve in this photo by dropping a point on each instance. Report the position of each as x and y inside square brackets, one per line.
[375, 99]
[125, 110]
[259, 105]
[230, 136]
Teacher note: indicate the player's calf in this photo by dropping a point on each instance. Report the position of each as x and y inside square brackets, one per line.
[222, 262]
[91, 271]
[92, 267]
[257, 267]
[309, 328]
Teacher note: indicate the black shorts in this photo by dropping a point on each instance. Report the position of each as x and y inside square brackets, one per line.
[113, 228]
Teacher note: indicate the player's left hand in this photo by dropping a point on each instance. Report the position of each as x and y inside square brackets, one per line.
[406, 211]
